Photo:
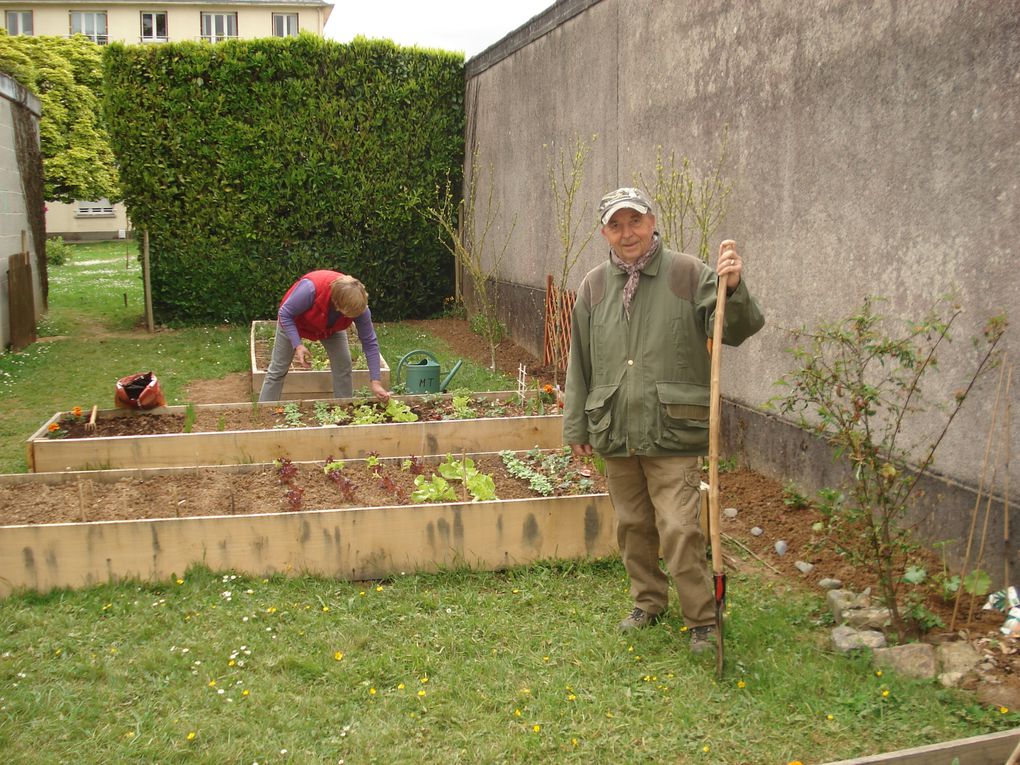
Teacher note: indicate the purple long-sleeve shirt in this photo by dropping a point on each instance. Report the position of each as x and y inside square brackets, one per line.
[301, 299]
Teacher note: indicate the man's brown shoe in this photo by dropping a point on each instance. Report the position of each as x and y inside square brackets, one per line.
[638, 619]
[703, 638]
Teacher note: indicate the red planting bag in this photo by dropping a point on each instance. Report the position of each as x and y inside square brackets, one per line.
[140, 391]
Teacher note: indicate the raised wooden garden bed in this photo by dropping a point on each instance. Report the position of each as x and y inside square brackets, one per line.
[347, 542]
[990, 749]
[225, 434]
[305, 383]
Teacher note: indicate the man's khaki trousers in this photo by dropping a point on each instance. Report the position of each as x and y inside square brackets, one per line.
[658, 505]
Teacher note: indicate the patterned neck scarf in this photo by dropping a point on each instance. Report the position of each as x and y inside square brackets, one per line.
[633, 271]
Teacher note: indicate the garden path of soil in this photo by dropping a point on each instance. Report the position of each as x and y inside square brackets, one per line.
[757, 498]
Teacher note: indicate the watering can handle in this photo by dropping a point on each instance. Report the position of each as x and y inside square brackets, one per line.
[405, 357]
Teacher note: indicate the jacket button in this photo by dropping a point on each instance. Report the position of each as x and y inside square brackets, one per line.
[630, 362]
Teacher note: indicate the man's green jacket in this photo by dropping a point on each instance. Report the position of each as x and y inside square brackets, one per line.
[641, 386]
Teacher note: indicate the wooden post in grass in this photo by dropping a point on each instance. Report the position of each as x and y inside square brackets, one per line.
[147, 282]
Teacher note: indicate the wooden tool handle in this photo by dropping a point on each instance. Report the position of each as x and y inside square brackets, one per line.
[714, 423]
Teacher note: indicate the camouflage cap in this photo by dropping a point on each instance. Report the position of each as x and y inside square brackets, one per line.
[629, 197]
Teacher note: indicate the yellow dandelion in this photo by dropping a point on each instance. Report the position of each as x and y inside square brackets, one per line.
[421, 693]
[423, 679]
[271, 610]
[573, 742]
[830, 717]
[379, 588]
[536, 727]
[231, 663]
[400, 686]
[129, 734]
[878, 673]
[571, 697]
[191, 735]
[609, 715]
[339, 656]
[371, 691]
[361, 594]
[212, 683]
[545, 658]
[58, 651]
[180, 581]
[325, 609]
[741, 684]
[517, 713]
[245, 692]
[885, 694]
[1003, 710]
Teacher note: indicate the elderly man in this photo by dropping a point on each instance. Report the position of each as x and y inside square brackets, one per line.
[637, 393]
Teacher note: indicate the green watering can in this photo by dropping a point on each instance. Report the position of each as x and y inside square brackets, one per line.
[423, 376]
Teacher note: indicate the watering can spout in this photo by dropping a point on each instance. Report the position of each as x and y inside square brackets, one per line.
[446, 383]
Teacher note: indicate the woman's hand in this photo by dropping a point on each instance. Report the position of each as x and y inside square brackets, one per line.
[380, 392]
[303, 356]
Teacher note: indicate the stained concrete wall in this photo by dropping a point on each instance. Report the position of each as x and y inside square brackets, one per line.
[14, 221]
[873, 148]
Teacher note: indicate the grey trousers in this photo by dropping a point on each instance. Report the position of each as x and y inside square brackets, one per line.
[658, 506]
[283, 353]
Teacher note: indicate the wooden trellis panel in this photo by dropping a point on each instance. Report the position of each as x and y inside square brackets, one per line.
[559, 304]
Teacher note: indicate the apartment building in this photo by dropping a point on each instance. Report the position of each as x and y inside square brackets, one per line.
[137, 23]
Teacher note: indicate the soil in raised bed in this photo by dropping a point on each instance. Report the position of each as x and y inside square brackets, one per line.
[282, 487]
[295, 414]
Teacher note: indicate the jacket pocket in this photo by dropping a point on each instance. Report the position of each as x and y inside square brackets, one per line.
[683, 416]
[599, 409]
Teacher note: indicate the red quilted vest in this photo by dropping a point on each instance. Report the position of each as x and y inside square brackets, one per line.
[311, 325]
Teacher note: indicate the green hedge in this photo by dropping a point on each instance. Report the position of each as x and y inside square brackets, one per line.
[66, 75]
[252, 162]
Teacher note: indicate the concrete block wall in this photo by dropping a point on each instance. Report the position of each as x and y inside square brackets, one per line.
[13, 213]
[872, 146]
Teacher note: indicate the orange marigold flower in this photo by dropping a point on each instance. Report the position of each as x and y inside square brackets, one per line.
[76, 411]
[548, 388]
[54, 427]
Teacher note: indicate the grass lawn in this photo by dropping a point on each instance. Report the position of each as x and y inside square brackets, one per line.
[519, 666]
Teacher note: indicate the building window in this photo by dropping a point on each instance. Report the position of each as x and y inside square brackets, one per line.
[219, 26]
[19, 22]
[92, 24]
[100, 208]
[285, 24]
[154, 26]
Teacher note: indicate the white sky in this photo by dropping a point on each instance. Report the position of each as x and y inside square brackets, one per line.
[470, 26]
